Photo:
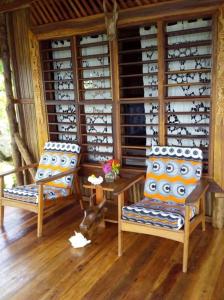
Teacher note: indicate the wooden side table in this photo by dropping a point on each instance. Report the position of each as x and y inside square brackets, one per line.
[118, 188]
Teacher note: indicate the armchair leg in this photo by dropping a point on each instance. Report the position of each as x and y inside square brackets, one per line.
[120, 242]
[120, 233]
[186, 238]
[40, 212]
[2, 208]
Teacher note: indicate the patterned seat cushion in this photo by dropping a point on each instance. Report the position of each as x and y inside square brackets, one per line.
[157, 213]
[29, 193]
[56, 158]
[172, 173]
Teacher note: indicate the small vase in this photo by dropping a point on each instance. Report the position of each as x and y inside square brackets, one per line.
[110, 177]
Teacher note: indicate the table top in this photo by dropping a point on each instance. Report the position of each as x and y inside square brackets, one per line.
[118, 186]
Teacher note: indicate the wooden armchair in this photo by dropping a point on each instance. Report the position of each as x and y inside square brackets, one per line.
[174, 198]
[56, 175]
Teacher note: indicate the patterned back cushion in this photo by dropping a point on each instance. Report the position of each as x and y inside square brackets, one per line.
[172, 173]
[57, 158]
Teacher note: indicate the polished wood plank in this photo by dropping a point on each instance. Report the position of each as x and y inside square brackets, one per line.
[150, 268]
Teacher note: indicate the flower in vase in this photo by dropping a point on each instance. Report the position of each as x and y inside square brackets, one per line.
[107, 168]
[111, 165]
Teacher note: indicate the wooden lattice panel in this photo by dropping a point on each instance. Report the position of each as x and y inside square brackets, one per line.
[138, 61]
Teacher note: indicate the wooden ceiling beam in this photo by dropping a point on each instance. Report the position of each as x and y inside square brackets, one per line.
[16, 4]
[127, 17]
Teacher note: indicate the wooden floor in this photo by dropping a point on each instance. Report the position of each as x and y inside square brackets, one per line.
[49, 268]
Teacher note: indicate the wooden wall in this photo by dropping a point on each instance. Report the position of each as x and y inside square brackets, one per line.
[19, 25]
[21, 63]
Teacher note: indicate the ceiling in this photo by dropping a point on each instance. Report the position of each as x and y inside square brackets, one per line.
[45, 12]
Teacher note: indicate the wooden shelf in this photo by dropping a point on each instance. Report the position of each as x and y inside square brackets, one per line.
[139, 50]
[139, 37]
[137, 136]
[187, 84]
[95, 68]
[139, 125]
[187, 98]
[58, 81]
[98, 153]
[138, 75]
[61, 90]
[188, 71]
[94, 78]
[139, 62]
[192, 57]
[97, 134]
[140, 157]
[97, 101]
[183, 137]
[96, 114]
[138, 100]
[134, 147]
[57, 59]
[57, 70]
[92, 56]
[187, 125]
[137, 87]
[188, 31]
[62, 123]
[97, 144]
[190, 44]
[188, 113]
[63, 132]
[94, 89]
[90, 45]
[56, 49]
[60, 113]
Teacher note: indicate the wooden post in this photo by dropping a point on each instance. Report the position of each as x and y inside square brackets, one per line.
[18, 145]
[10, 109]
[161, 80]
[42, 127]
[218, 124]
[114, 69]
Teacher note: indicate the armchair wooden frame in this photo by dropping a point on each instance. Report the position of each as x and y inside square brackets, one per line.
[182, 235]
[38, 207]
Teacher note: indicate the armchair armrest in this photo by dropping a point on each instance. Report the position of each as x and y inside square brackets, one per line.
[125, 187]
[34, 165]
[57, 176]
[196, 194]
